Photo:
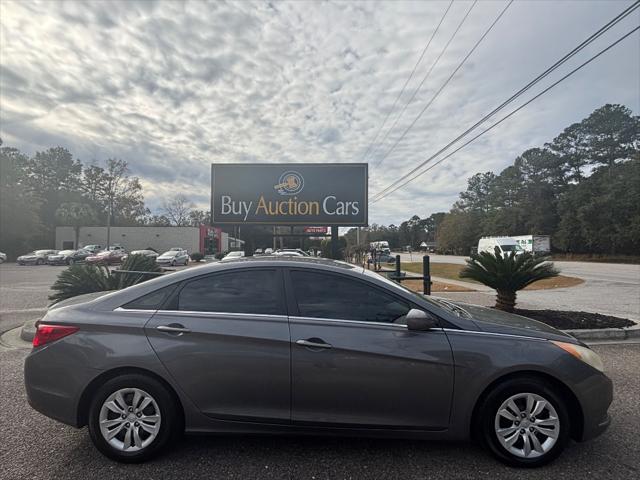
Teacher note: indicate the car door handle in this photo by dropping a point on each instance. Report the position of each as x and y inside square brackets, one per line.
[173, 328]
[312, 344]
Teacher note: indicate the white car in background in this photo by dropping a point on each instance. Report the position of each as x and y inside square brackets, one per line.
[147, 253]
[3, 257]
[173, 258]
[233, 256]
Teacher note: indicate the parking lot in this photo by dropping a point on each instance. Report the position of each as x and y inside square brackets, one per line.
[33, 446]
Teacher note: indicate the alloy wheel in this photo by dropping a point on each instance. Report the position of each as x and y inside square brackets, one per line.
[129, 419]
[527, 425]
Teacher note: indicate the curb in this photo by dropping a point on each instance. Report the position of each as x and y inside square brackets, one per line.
[28, 330]
[625, 333]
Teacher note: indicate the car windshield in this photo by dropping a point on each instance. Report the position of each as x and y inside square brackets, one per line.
[41, 252]
[66, 252]
[170, 253]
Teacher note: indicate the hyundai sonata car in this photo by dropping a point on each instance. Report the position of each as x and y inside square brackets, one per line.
[308, 346]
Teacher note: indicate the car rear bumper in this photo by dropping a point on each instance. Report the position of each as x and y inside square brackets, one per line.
[51, 388]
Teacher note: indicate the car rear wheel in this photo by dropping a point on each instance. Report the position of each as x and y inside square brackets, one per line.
[39, 262]
[132, 418]
[524, 423]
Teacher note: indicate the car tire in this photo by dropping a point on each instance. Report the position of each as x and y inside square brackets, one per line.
[529, 395]
[162, 404]
[39, 262]
[70, 261]
[173, 263]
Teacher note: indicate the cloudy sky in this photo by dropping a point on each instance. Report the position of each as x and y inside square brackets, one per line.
[172, 86]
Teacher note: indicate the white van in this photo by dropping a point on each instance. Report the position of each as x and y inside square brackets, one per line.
[506, 245]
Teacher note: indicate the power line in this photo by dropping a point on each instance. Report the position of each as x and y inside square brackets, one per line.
[544, 74]
[446, 82]
[425, 78]
[601, 52]
[424, 50]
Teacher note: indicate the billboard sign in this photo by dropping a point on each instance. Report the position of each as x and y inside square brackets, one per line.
[312, 194]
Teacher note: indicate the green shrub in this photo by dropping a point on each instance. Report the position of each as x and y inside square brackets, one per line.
[80, 279]
[196, 256]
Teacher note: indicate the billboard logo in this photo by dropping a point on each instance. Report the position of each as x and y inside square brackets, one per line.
[289, 183]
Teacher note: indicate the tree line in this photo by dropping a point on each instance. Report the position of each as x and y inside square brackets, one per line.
[582, 188]
[51, 188]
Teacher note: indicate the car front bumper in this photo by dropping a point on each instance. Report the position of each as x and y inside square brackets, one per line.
[595, 400]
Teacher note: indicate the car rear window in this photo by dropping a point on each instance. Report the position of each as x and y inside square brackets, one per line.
[151, 301]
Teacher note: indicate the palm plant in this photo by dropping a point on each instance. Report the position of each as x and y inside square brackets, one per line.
[507, 273]
[81, 279]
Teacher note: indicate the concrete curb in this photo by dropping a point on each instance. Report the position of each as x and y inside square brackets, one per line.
[625, 333]
[28, 330]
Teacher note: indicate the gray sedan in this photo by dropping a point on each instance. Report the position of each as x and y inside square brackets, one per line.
[309, 346]
[173, 258]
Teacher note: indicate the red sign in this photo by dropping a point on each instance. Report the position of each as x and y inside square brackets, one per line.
[316, 230]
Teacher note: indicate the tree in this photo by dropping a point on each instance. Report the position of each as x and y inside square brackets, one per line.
[507, 274]
[19, 208]
[199, 217]
[458, 232]
[117, 194]
[75, 214]
[178, 209]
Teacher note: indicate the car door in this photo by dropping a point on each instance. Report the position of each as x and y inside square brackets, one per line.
[224, 338]
[352, 366]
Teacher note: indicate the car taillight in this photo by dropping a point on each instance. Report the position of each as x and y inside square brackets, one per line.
[50, 333]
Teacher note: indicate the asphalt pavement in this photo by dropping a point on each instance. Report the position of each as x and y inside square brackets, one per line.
[35, 447]
[609, 288]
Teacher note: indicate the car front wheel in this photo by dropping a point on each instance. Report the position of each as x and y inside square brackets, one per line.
[132, 418]
[525, 423]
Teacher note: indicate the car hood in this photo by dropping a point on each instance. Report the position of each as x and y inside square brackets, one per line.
[497, 321]
[166, 257]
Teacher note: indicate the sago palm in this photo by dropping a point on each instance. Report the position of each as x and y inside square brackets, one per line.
[507, 273]
[81, 279]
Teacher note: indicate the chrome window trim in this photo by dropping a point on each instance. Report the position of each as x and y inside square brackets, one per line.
[196, 313]
[349, 322]
[492, 334]
[134, 310]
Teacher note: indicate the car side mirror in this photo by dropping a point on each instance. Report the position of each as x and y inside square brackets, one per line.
[420, 320]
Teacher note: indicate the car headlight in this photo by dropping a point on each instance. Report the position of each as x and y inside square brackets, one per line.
[585, 354]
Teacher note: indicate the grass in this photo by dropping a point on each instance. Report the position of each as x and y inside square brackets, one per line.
[452, 272]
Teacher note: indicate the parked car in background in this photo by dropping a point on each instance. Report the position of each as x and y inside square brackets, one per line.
[93, 248]
[505, 245]
[108, 257]
[37, 257]
[232, 256]
[268, 251]
[3, 257]
[308, 346]
[146, 253]
[258, 251]
[114, 248]
[173, 258]
[291, 252]
[68, 257]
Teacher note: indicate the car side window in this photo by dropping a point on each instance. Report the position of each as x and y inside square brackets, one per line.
[322, 295]
[151, 301]
[246, 291]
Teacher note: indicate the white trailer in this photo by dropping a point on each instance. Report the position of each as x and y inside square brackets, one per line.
[536, 244]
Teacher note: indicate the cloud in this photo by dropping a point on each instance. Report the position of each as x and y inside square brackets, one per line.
[173, 86]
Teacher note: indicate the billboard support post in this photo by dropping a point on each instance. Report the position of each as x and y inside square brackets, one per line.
[334, 242]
